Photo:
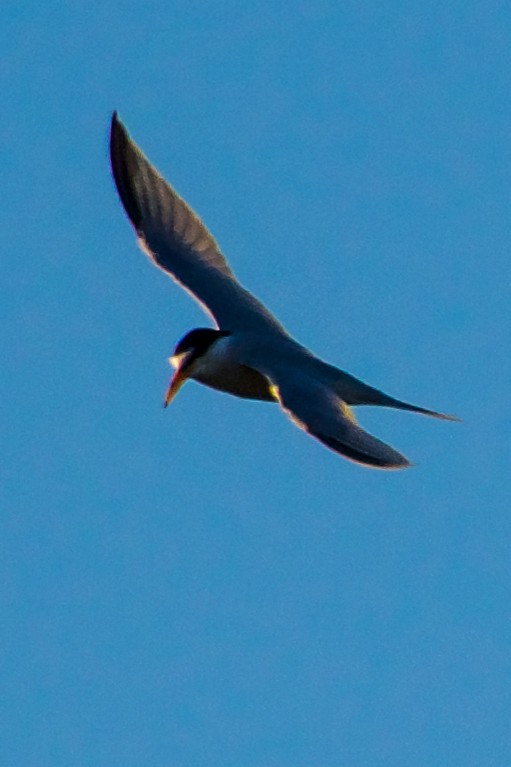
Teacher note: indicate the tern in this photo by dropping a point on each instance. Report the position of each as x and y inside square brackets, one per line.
[249, 353]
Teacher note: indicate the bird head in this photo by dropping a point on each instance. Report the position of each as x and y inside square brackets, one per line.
[188, 354]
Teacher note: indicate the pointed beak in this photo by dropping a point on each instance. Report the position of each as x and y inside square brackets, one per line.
[176, 382]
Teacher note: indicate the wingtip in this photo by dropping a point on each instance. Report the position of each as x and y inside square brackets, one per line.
[123, 161]
[116, 128]
[403, 464]
[369, 451]
[114, 121]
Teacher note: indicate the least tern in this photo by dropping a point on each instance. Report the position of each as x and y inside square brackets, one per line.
[249, 354]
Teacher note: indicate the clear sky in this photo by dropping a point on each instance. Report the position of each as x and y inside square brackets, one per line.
[207, 585]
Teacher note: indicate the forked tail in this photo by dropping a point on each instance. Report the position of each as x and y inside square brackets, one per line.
[385, 401]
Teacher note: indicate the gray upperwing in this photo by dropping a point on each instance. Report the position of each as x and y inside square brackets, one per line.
[322, 414]
[177, 241]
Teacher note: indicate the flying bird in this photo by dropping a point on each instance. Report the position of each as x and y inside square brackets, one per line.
[249, 353]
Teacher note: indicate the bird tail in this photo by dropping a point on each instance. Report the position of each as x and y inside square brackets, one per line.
[356, 392]
[384, 400]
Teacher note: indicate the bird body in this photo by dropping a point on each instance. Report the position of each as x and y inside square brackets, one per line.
[249, 354]
[220, 368]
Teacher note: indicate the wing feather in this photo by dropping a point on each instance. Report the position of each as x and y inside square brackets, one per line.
[322, 414]
[177, 241]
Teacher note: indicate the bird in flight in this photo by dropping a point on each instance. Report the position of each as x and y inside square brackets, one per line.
[249, 353]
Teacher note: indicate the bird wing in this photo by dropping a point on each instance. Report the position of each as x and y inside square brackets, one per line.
[178, 242]
[296, 379]
[322, 414]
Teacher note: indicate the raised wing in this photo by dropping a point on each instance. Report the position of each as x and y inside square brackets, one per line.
[178, 242]
[321, 413]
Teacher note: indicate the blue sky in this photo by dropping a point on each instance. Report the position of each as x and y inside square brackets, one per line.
[207, 585]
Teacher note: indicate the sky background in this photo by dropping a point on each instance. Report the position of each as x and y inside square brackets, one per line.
[207, 585]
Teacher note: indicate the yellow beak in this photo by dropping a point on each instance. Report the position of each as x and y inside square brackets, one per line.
[176, 382]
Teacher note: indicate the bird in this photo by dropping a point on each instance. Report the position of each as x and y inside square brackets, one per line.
[248, 354]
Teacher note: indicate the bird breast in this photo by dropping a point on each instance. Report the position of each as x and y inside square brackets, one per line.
[219, 369]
